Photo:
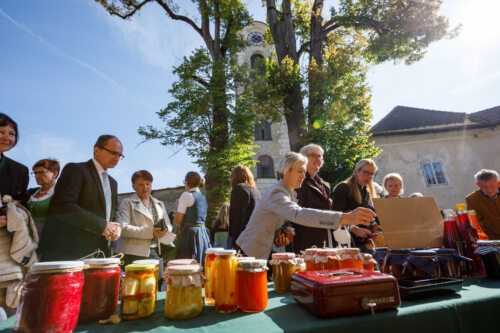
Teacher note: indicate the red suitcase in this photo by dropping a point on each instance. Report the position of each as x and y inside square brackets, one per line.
[335, 293]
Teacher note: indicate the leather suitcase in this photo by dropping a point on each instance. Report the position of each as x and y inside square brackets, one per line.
[336, 293]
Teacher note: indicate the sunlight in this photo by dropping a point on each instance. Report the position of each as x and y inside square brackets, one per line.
[479, 20]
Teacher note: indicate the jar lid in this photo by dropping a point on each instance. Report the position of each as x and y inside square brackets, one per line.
[183, 269]
[331, 252]
[101, 261]
[251, 264]
[225, 252]
[321, 252]
[446, 251]
[311, 250]
[488, 243]
[147, 261]
[182, 262]
[381, 249]
[211, 250]
[283, 255]
[240, 259]
[423, 253]
[139, 267]
[460, 206]
[349, 250]
[56, 265]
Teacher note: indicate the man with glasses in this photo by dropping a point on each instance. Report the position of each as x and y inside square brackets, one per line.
[81, 213]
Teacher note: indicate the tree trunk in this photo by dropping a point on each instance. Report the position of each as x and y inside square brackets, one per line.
[294, 116]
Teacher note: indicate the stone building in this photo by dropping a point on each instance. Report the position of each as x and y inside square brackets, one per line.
[438, 152]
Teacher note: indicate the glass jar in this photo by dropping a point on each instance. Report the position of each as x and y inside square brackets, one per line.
[51, 297]
[320, 259]
[183, 299]
[209, 274]
[225, 281]
[101, 289]
[450, 263]
[181, 262]
[424, 264]
[397, 260]
[368, 262]
[310, 258]
[251, 285]
[350, 258]
[138, 292]
[333, 259]
[380, 256]
[489, 251]
[156, 263]
[283, 265]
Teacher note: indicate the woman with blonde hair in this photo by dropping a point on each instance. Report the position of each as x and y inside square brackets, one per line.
[219, 229]
[393, 185]
[244, 197]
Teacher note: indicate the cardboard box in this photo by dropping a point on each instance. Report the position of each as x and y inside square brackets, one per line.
[410, 222]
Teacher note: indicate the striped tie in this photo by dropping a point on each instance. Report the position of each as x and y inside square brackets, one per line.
[107, 194]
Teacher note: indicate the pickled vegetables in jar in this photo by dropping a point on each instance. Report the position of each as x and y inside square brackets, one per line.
[183, 299]
[156, 262]
[225, 281]
[138, 292]
[180, 262]
[209, 274]
[251, 285]
[284, 265]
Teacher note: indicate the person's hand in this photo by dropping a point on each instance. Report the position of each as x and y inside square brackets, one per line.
[3, 221]
[361, 232]
[112, 231]
[281, 240]
[158, 233]
[360, 215]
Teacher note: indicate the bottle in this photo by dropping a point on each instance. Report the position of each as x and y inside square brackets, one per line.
[475, 223]
[470, 237]
[452, 238]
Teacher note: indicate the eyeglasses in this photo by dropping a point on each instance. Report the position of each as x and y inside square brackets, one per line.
[36, 173]
[114, 153]
[316, 155]
[367, 173]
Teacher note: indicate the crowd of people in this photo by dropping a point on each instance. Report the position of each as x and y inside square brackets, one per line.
[74, 212]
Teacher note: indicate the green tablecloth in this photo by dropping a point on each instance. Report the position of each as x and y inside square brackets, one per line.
[475, 308]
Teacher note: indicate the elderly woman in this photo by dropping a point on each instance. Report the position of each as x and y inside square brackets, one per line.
[46, 172]
[144, 220]
[393, 185]
[190, 217]
[278, 204]
[244, 197]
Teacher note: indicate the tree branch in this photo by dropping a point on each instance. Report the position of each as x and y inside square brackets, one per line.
[113, 10]
[177, 17]
[303, 48]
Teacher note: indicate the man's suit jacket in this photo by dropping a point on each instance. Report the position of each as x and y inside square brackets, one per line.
[488, 212]
[14, 179]
[77, 214]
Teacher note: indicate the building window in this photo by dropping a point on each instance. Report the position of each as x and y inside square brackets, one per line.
[263, 131]
[256, 61]
[434, 173]
[265, 167]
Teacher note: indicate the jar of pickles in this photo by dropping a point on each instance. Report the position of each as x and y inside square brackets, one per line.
[138, 292]
[183, 299]
[283, 265]
[209, 275]
[424, 264]
[380, 257]
[51, 297]
[350, 258]
[368, 262]
[225, 281]
[158, 263]
[251, 285]
[100, 289]
[449, 263]
[397, 260]
[310, 258]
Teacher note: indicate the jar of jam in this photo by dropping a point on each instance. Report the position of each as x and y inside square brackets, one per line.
[368, 262]
[183, 299]
[100, 289]
[310, 257]
[350, 258]
[449, 263]
[397, 260]
[333, 259]
[225, 281]
[380, 256]
[490, 256]
[283, 265]
[51, 297]
[209, 274]
[320, 259]
[424, 264]
[158, 267]
[138, 292]
[251, 285]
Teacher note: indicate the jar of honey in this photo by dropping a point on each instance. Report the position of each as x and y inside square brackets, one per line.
[424, 264]
[283, 266]
[368, 262]
[309, 258]
[225, 281]
[449, 263]
[183, 299]
[350, 258]
[101, 289]
[251, 285]
[397, 260]
[209, 274]
[138, 292]
[51, 297]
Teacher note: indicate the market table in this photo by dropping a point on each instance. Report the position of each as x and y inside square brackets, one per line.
[475, 308]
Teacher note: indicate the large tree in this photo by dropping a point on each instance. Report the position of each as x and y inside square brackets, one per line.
[398, 30]
[207, 117]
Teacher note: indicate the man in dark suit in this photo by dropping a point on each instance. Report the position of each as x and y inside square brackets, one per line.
[83, 206]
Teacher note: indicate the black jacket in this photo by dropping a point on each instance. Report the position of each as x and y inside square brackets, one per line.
[14, 179]
[241, 206]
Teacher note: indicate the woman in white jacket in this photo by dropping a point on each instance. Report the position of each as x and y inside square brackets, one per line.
[144, 220]
[279, 204]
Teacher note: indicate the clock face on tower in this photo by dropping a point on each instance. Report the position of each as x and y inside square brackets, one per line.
[255, 38]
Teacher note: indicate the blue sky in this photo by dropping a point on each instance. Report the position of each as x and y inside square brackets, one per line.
[70, 72]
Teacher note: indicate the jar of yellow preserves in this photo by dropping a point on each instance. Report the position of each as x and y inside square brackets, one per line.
[225, 281]
[183, 299]
[138, 292]
[283, 265]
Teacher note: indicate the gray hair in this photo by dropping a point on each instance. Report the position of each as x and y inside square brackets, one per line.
[485, 174]
[310, 148]
[289, 161]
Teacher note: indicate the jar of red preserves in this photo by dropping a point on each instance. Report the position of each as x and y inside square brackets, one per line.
[368, 262]
[251, 285]
[100, 289]
[309, 258]
[51, 297]
[350, 258]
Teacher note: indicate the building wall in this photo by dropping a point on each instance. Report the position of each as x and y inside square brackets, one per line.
[462, 154]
